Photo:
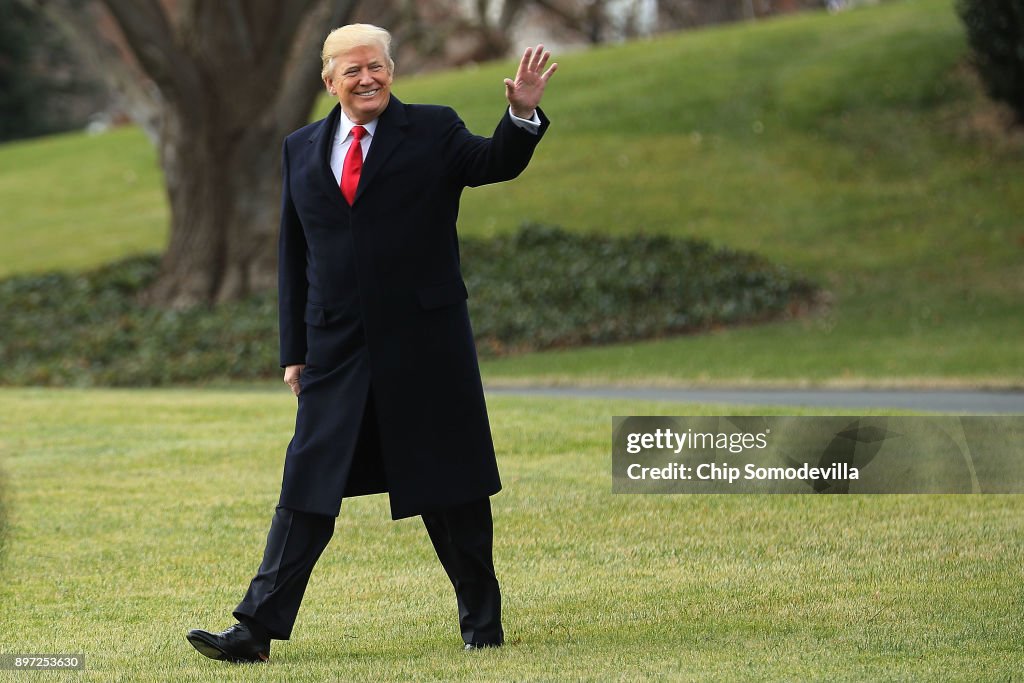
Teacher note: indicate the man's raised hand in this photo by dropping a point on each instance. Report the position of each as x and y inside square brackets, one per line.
[525, 91]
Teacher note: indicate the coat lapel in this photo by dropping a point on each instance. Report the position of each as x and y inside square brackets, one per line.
[322, 139]
[386, 140]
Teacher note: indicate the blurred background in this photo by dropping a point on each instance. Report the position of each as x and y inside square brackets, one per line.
[733, 194]
[737, 191]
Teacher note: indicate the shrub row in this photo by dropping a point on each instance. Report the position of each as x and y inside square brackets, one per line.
[544, 287]
[539, 288]
[995, 32]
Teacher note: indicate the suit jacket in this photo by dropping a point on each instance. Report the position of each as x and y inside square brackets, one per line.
[372, 300]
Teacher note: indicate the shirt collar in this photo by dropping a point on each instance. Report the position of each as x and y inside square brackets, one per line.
[345, 127]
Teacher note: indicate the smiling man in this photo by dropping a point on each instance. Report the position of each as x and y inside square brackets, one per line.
[375, 334]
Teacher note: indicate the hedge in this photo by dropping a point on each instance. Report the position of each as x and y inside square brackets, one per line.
[539, 288]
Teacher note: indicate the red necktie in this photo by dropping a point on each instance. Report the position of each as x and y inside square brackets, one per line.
[353, 165]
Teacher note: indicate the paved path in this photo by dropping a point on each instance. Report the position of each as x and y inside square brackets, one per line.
[952, 401]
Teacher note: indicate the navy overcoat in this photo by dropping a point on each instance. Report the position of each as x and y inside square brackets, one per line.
[372, 301]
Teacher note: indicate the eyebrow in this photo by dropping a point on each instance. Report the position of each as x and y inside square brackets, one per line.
[372, 62]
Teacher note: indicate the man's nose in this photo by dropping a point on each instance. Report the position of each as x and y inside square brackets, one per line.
[365, 77]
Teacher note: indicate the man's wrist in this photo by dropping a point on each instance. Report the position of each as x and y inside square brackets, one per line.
[525, 115]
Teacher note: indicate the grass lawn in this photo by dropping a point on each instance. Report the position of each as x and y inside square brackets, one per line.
[841, 146]
[135, 515]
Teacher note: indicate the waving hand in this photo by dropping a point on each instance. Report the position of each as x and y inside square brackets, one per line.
[525, 91]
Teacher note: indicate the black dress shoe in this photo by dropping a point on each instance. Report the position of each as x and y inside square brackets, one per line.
[480, 646]
[238, 644]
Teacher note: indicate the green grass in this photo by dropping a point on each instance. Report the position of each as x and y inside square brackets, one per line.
[74, 201]
[135, 515]
[831, 144]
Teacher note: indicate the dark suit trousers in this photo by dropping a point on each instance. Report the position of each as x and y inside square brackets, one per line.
[462, 537]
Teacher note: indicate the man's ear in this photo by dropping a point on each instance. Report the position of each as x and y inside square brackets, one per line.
[329, 85]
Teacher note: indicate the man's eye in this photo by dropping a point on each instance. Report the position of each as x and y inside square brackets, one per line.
[351, 72]
[376, 67]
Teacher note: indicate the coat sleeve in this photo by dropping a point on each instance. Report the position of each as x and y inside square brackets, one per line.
[477, 160]
[291, 275]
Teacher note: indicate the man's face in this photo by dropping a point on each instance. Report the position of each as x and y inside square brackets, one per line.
[361, 80]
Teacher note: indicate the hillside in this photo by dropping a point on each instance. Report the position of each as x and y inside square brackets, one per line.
[832, 144]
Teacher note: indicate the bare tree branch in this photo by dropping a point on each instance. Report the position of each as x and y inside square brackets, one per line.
[151, 37]
[301, 78]
[243, 29]
[569, 18]
[128, 86]
[510, 11]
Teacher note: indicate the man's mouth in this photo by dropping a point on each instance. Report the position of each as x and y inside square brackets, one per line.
[368, 93]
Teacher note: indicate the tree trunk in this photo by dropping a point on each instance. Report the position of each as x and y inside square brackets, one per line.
[227, 81]
[223, 185]
[257, 79]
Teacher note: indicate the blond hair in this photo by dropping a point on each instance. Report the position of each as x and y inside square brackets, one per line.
[345, 38]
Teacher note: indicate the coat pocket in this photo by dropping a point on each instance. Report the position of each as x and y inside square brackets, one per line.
[315, 315]
[442, 295]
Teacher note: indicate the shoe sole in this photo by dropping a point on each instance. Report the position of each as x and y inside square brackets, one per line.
[208, 649]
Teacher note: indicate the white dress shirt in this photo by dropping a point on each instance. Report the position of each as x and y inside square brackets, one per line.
[343, 138]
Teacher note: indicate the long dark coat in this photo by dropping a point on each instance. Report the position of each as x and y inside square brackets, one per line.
[372, 301]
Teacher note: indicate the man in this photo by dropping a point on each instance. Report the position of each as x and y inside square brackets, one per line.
[375, 334]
